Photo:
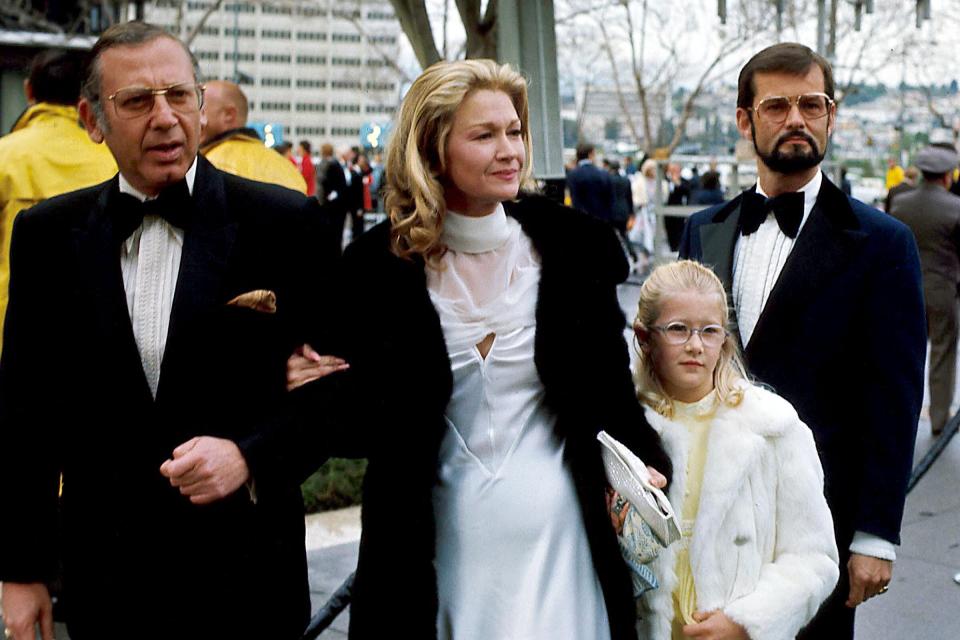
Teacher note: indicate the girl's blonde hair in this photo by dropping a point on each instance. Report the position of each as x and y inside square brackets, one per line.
[666, 280]
[416, 158]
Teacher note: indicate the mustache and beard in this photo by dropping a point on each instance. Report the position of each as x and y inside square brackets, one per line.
[796, 159]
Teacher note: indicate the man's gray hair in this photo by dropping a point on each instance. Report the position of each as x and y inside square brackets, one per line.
[119, 35]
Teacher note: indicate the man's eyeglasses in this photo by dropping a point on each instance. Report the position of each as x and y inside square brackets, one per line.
[677, 333]
[775, 109]
[185, 97]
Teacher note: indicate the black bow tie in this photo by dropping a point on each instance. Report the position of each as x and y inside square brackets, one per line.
[786, 207]
[173, 205]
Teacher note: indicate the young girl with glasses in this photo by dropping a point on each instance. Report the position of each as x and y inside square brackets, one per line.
[758, 554]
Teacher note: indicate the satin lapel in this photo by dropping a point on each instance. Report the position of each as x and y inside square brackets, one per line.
[207, 245]
[826, 243]
[99, 258]
[718, 239]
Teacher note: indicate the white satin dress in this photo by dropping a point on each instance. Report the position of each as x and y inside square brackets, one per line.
[513, 561]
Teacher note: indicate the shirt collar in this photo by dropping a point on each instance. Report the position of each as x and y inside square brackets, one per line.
[126, 187]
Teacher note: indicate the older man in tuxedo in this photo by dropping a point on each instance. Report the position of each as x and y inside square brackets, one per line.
[149, 322]
[829, 307]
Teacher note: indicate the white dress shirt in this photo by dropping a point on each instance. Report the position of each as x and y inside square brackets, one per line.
[150, 263]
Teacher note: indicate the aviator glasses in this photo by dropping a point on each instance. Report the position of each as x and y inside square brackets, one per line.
[184, 97]
[677, 333]
[775, 109]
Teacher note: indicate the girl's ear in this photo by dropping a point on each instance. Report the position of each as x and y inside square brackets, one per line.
[643, 338]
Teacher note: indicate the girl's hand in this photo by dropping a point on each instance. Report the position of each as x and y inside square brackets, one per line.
[657, 479]
[714, 625]
[617, 508]
[306, 365]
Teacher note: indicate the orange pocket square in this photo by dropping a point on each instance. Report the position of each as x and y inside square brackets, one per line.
[262, 300]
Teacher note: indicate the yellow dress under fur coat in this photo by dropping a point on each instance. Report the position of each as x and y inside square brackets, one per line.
[763, 549]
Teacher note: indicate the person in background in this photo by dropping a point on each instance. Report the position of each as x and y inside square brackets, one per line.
[307, 170]
[232, 147]
[894, 173]
[285, 149]
[591, 188]
[678, 194]
[47, 152]
[806, 267]
[743, 462]
[845, 184]
[503, 522]
[933, 215]
[710, 190]
[910, 177]
[622, 206]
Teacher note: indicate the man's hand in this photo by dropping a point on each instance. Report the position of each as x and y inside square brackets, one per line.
[206, 469]
[306, 365]
[657, 479]
[868, 575]
[714, 625]
[26, 605]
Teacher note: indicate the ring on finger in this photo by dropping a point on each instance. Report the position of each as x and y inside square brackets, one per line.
[883, 589]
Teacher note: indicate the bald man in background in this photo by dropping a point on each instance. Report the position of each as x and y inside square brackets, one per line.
[232, 147]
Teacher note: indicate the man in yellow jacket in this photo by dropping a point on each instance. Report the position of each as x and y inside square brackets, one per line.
[235, 149]
[47, 152]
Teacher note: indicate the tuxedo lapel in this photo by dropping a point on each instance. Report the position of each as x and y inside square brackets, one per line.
[207, 245]
[826, 243]
[718, 239]
[98, 255]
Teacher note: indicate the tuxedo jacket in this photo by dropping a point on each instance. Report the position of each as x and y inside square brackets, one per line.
[842, 337]
[75, 406]
[400, 382]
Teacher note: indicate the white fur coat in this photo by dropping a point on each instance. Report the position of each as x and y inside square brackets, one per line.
[763, 549]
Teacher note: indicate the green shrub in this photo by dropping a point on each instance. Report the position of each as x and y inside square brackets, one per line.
[337, 484]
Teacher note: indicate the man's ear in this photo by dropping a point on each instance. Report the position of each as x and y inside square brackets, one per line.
[89, 119]
[743, 124]
[831, 120]
[28, 92]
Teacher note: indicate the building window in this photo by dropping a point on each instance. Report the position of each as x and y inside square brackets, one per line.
[383, 39]
[275, 34]
[310, 83]
[346, 62]
[283, 58]
[312, 12]
[283, 11]
[380, 86]
[275, 106]
[311, 35]
[311, 131]
[311, 59]
[380, 108]
[344, 108]
[380, 15]
[275, 82]
[345, 37]
[198, 6]
[242, 33]
[376, 62]
[230, 8]
[317, 107]
[344, 84]
[344, 131]
[208, 55]
[243, 57]
[345, 14]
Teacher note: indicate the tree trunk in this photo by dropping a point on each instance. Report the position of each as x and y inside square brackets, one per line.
[415, 23]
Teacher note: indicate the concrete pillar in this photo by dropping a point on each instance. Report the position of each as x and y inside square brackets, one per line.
[527, 39]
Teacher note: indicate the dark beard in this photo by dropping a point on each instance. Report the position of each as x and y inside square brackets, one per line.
[793, 163]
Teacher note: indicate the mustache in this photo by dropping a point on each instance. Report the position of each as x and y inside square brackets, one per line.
[797, 134]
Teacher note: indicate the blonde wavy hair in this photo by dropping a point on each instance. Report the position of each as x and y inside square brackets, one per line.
[666, 280]
[416, 157]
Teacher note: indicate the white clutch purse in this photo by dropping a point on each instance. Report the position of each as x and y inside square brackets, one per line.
[629, 476]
